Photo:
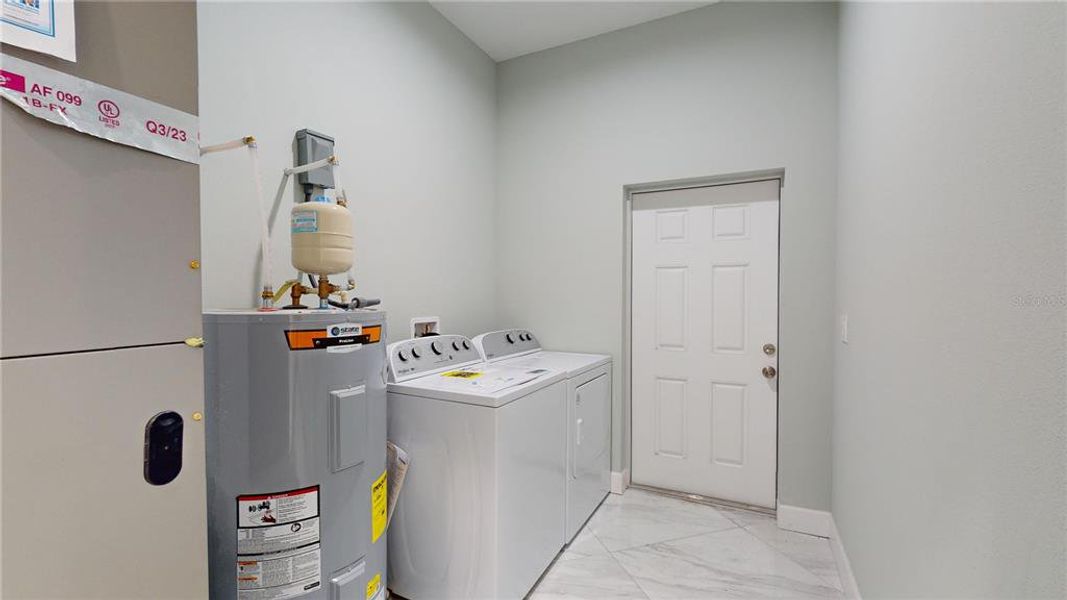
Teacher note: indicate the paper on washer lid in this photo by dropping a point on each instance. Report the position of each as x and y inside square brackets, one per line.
[482, 380]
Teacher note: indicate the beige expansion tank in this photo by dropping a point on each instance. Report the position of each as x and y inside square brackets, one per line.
[322, 238]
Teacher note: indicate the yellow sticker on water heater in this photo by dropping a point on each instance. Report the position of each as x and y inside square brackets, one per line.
[374, 585]
[379, 504]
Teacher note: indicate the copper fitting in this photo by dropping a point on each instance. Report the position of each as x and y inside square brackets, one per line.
[266, 298]
[296, 292]
[326, 288]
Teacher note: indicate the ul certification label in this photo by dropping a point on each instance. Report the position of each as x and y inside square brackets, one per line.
[98, 110]
[278, 553]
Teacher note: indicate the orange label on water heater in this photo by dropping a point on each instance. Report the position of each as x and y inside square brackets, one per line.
[315, 339]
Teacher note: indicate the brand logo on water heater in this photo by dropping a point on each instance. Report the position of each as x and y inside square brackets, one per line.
[345, 329]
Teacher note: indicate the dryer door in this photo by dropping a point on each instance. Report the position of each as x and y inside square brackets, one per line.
[590, 450]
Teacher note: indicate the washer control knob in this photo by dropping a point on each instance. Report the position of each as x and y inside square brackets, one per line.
[436, 347]
[415, 353]
[455, 346]
[466, 345]
[402, 355]
[510, 338]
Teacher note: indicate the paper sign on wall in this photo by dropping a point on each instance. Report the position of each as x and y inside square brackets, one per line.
[41, 25]
[98, 110]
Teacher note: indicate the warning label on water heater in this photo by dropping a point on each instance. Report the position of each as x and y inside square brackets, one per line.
[285, 575]
[278, 554]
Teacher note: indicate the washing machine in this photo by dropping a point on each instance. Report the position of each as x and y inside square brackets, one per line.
[588, 415]
[481, 512]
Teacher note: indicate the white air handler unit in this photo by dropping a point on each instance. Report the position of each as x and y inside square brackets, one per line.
[588, 380]
[481, 513]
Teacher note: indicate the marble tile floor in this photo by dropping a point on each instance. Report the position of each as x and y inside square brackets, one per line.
[648, 546]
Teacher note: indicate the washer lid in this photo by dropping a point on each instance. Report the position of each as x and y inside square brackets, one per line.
[571, 363]
[480, 384]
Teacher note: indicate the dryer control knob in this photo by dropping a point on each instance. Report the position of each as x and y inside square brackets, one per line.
[466, 345]
[402, 355]
[455, 346]
[436, 347]
[510, 338]
[415, 353]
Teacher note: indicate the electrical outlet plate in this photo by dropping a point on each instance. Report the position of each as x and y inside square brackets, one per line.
[424, 326]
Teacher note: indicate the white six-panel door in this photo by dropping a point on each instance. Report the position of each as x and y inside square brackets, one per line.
[705, 304]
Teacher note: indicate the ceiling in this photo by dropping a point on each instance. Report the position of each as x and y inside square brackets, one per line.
[506, 29]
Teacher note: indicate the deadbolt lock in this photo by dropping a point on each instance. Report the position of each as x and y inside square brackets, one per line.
[769, 349]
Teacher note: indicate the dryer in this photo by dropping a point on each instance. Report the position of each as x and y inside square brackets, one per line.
[588, 415]
[481, 514]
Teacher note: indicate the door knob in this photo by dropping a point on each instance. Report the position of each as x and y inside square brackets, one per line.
[769, 349]
[769, 372]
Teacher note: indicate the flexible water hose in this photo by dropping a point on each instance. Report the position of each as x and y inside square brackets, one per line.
[311, 166]
[266, 277]
[342, 198]
[227, 145]
[264, 226]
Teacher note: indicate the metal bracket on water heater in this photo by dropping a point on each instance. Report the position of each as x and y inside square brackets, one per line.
[312, 146]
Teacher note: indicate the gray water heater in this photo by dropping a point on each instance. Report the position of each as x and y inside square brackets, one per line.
[295, 425]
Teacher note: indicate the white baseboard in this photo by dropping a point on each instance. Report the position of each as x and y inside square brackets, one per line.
[805, 520]
[620, 480]
[844, 567]
[821, 523]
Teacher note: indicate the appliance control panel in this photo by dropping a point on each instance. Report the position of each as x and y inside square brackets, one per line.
[508, 342]
[420, 356]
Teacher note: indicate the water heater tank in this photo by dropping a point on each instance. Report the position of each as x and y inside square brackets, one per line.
[322, 237]
[295, 429]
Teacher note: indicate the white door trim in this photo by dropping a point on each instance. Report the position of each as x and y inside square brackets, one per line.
[628, 192]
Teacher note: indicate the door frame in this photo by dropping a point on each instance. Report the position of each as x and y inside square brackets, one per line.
[621, 481]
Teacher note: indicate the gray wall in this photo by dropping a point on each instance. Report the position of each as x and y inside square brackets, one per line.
[410, 101]
[731, 87]
[949, 441]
